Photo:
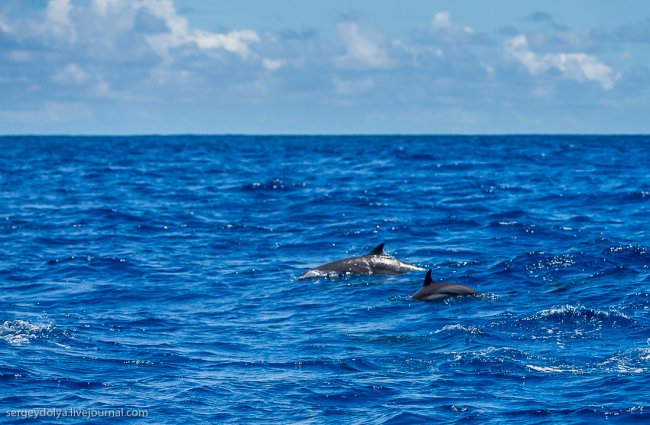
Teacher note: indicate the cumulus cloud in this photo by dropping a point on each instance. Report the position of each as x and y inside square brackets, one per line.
[102, 6]
[442, 24]
[441, 20]
[70, 74]
[4, 25]
[576, 66]
[180, 33]
[364, 48]
[449, 41]
[123, 54]
[272, 64]
[517, 47]
[113, 50]
[234, 41]
[102, 23]
[58, 21]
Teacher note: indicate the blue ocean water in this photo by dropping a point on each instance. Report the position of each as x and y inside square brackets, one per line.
[160, 273]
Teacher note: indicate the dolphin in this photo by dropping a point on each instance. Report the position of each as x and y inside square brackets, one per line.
[438, 290]
[375, 262]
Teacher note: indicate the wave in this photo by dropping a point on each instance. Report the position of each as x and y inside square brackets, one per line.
[21, 332]
[174, 271]
[553, 369]
[634, 361]
[460, 329]
[579, 313]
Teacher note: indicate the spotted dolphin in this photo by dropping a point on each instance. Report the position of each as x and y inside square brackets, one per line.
[375, 262]
[431, 290]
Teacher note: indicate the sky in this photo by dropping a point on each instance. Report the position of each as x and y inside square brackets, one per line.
[334, 67]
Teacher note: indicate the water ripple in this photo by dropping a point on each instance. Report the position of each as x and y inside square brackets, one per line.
[161, 273]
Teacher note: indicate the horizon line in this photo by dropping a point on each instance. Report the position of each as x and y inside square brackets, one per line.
[312, 134]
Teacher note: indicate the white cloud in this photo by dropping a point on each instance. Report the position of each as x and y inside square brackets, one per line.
[70, 74]
[180, 33]
[517, 47]
[272, 64]
[4, 25]
[102, 6]
[581, 67]
[363, 47]
[58, 21]
[576, 66]
[441, 20]
[234, 41]
[103, 22]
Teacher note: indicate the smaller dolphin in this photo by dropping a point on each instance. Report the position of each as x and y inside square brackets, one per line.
[438, 290]
[375, 262]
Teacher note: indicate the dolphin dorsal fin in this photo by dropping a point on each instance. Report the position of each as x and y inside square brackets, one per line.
[427, 278]
[379, 250]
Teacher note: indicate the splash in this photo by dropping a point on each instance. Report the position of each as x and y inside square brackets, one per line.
[21, 332]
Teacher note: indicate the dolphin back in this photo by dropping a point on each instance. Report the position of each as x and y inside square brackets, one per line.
[438, 290]
[375, 262]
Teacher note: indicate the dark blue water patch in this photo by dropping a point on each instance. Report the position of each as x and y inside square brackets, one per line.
[160, 273]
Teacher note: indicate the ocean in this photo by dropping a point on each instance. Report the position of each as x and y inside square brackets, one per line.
[157, 276]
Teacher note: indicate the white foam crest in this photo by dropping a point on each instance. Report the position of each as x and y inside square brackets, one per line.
[458, 327]
[20, 332]
[560, 310]
[552, 369]
[633, 362]
[577, 310]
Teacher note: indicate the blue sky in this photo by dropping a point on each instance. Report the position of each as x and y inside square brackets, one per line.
[296, 67]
